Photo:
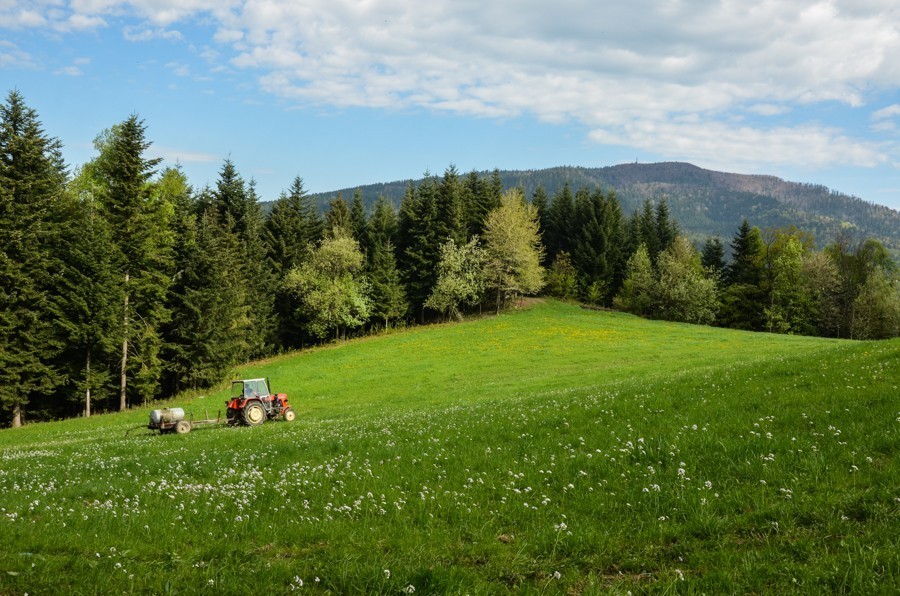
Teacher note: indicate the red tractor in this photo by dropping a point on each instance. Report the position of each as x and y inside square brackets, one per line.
[252, 403]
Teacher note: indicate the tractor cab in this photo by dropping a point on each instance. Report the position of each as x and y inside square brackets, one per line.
[250, 388]
[252, 403]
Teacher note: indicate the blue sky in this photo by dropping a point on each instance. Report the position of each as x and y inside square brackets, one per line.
[344, 92]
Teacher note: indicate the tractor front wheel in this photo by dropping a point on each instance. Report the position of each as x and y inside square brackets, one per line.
[289, 414]
[254, 414]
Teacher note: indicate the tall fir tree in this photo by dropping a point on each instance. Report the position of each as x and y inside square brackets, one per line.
[449, 220]
[713, 255]
[541, 203]
[292, 227]
[210, 327]
[560, 222]
[418, 247]
[139, 219]
[596, 245]
[359, 221]
[745, 296]
[338, 220]
[32, 179]
[90, 300]
[237, 205]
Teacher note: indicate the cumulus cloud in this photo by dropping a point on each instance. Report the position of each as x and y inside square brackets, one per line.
[173, 155]
[654, 75]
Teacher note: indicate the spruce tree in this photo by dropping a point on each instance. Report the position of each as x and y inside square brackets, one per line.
[541, 203]
[210, 329]
[32, 176]
[713, 255]
[358, 220]
[237, 206]
[744, 298]
[90, 299]
[418, 250]
[338, 220]
[560, 222]
[139, 219]
[449, 221]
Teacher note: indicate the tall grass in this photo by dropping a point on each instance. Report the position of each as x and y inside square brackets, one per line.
[551, 450]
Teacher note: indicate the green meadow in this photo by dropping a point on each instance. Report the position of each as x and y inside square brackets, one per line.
[548, 450]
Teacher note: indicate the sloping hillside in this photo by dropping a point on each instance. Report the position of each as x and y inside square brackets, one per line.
[704, 202]
[554, 450]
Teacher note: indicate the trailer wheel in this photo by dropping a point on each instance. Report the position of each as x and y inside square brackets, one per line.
[182, 427]
[289, 414]
[254, 414]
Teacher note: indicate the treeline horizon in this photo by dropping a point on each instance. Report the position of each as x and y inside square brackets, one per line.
[122, 284]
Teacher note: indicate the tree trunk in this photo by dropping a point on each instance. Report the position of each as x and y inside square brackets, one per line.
[17, 415]
[124, 381]
[87, 391]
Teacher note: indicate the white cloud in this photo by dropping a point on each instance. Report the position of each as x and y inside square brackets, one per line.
[654, 75]
[720, 146]
[172, 155]
[11, 56]
[768, 109]
[142, 33]
[888, 112]
[70, 71]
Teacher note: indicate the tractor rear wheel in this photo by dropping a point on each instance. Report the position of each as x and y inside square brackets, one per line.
[254, 414]
[182, 427]
[289, 414]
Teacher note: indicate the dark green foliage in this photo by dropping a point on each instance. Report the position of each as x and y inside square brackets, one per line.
[358, 220]
[449, 220]
[560, 223]
[541, 202]
[210, 329]
[713, 256]
[338, 219]
[418, 246]
[746, 295]
[292, 226]
[237, 207]
[139, 219]
[386, 290]
[31, 187]
[596, 245]
[562, 278]
[480, 196]
[89, 304]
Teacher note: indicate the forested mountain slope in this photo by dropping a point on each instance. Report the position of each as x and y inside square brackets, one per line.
[704, 202]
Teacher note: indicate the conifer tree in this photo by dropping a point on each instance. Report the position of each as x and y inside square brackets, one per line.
[32, 176]
[713, 255]
[91, 296]
[210, 326]
[597, 244]
[388, 297]
[338, 220]
[449, 221]
[382, 226]
[560, 222]
[745, 296]
[358, 220]
[418, 249]
[139, 220]
[541, 203]
[237, 206]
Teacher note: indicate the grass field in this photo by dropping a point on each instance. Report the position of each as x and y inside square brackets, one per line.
[550, 450]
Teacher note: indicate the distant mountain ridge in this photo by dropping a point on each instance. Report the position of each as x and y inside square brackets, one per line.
[704, 202]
